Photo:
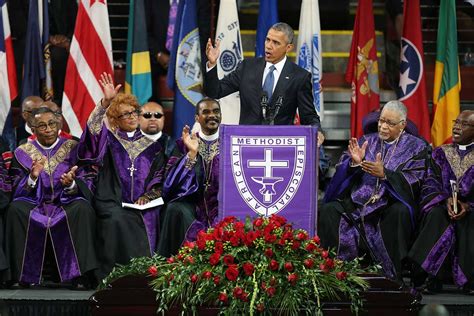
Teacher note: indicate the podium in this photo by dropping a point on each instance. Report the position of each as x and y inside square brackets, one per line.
[267, 170]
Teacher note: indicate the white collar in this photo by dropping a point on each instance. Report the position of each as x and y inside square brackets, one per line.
[153, 137]
[50, 147]
[279, 65]
[28, 129]
[130, 134]
[464, 147]
[210, 138]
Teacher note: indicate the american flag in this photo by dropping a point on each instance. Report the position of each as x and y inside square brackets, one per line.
[8, 82]
[90, 55]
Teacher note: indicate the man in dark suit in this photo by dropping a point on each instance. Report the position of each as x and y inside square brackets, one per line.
[284, 85]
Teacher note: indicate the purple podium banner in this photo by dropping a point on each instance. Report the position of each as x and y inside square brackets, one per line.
[267, 170]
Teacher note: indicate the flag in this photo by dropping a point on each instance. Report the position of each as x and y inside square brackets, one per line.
[138, 75]
[267, 16]
[309, 49]
[412, 90]
[228, 33]
[8, 79]
[447, 81]
[36, 63]
[363, 70]
[185, 65]
[89, 56]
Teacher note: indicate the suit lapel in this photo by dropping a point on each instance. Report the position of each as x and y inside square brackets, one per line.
[283, 81]
[261, 66]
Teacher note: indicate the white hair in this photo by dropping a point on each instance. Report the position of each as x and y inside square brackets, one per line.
[398, 107]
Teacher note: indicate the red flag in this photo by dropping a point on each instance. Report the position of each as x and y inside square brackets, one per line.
[90, 55]
[363, 69]
[411, 90]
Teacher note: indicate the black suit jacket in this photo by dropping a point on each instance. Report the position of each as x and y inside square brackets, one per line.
[294, 85]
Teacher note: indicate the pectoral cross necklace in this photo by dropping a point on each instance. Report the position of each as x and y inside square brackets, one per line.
[376, 195]
[132, 168]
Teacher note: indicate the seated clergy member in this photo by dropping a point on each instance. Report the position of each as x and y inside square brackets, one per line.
[130, 166]
[445, 231]
[49, 201]
[151, 121]
[371, 200]
[192, 182]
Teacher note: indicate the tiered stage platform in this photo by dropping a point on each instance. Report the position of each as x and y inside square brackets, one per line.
[47, 301]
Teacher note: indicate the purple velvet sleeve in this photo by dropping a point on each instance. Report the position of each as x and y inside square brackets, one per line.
[93, 143]
[181, 180]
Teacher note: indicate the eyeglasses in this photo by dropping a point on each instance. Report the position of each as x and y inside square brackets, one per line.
[463, 124]
[148, 115]
[43, 127]
[389, 123]
[129, 115]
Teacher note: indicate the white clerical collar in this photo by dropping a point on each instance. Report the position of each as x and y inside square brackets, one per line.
[279, 65]
[153, 137]
[28, 129]
[465, 147]
[50, 147]
[210, 138]
[130, 134]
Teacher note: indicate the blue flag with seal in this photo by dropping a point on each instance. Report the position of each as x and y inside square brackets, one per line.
[138, 75]
[184, 72]
[267, 16]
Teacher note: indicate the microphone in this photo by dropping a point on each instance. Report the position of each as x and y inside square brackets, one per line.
[278, 105]
[264, 104]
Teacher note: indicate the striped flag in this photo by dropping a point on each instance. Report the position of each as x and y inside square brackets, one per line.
[138, 75]
[8, 79]
[309, 49]
[447, 81]
[90, 55]
[267, 16]
[37, 63]
[228, 33]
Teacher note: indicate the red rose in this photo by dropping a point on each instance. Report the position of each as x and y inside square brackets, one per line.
[288, 266]
[329, 263]
[263, 286]
[323, 268]
[258, 222]
[189, 244]
[248, 268]
[325, 254]
[201, 244]
[244, 297]
[301, 236]
[207, 274]
[229, 219]
[194, 278]
[228, 260]
[223, 297]
[311, 247]
[170, 260]
[218, 247]
[308, 263]
[260, 307]
[316, 239]
[180, 257]
[232, 273]
[270, 238]
[214, 259]
[239, 226]
[189, 259]
[271, 291]
[341, 275]
[273, 265]
[292, 278]
[234, 241]
[296, 245]
[217, 279]
[269, 252]
[153, 270]
[238, 291]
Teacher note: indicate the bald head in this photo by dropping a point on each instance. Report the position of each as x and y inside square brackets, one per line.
[29, 104]
[152, 118]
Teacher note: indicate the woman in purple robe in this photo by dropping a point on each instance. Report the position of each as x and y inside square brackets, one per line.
[447, 232]
[192, 181]
[130, 171]
[50, 202]
[371, 205]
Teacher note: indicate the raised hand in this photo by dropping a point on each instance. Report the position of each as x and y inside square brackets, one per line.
[191, 142]
[374, 168]
[36, 167]
[110, 91]
[357, 153]
[212, 52]
[68, 178]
